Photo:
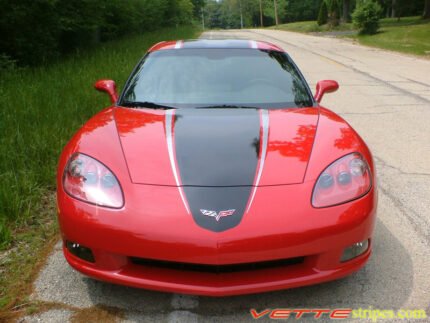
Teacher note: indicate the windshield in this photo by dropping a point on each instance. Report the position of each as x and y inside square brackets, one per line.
[192, 78]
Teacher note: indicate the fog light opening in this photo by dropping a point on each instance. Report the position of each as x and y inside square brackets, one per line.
[80, 251]
[355, 250]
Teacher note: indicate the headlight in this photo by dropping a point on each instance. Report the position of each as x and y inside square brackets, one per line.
[88, 180]
[346, 179]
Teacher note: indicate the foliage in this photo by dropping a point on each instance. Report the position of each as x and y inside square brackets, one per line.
[6, 63]
[178, 12]
[43, 107]
[36, 31]
[409, 35]
[366, 16]
[198, 7]
[301, 10]
[313, 27]
[426, 12]
[323, 14]
[333, 13]
[402, 8]
[212, 14]
[226, 13]
[346, 10]
[29, 30]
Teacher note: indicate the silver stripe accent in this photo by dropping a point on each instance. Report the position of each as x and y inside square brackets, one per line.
[264, 142]
[178, 44]
[254, 44]
[169, 137]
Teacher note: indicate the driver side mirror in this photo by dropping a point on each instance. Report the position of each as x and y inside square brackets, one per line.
[324, 87]
[109, 87]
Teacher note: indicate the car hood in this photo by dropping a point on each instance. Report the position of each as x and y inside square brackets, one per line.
[217, 147]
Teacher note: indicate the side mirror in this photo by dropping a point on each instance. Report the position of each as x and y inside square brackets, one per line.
[324, 87]
[109, 87]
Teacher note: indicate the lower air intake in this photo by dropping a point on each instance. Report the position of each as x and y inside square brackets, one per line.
[217, 269]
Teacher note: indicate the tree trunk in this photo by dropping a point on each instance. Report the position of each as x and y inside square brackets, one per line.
[346, 9]
[426, 14]
[261, 13]
[276, 12]
[393, 9]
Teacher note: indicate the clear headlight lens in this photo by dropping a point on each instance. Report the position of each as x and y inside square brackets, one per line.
[346, 179]
[88, 180]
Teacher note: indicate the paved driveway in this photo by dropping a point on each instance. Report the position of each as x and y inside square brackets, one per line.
[386, 98]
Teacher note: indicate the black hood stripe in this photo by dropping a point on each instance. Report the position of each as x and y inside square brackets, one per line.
[217, 157]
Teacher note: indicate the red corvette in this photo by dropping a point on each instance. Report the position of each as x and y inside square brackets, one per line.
[216, 172]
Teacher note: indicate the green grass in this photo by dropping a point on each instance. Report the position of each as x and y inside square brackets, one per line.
[409, 35]
[41, 109]
[20, 264]
[311, 27]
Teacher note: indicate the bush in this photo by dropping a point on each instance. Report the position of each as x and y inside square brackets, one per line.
[322, 15]
[366, 16]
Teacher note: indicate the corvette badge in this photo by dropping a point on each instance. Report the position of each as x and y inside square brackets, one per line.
[218, 215]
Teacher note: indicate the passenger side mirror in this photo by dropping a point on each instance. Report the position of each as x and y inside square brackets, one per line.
[323, 87]
[109, 87]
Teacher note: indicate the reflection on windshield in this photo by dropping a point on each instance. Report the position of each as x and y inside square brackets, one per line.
[218, 77]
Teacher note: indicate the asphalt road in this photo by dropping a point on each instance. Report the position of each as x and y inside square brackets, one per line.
[386, 98]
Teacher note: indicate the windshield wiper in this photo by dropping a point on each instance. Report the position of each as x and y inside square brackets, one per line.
[146, 104]
[226, 106]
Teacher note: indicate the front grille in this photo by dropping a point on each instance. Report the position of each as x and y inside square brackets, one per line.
[217, 269]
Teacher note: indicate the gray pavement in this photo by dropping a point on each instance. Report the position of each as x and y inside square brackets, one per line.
[386, 97]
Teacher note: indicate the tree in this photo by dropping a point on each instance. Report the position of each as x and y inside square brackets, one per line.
[213, 15]
[302, 10]
[346, 8]
[178, 12]
[20, 40]
[333, 16]
[393, 8]
[64, 26]
[198, 7]
[426, 14]
[323, 14]
[261, 13]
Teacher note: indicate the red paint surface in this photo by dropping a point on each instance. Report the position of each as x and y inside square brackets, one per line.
[154, 222]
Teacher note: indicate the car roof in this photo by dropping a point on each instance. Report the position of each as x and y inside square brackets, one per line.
[215, 43]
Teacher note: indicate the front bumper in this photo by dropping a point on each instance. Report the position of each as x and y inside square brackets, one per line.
[246, 282]
[161, 232]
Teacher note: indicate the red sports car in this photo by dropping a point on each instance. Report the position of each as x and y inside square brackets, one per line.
[216, 172]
